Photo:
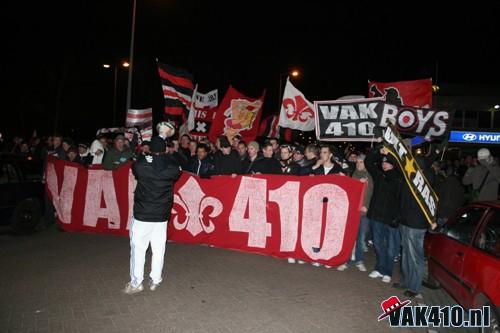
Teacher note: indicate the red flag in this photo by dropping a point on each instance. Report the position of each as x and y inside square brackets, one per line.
[237, 114]
[269, 127]
[416, 93]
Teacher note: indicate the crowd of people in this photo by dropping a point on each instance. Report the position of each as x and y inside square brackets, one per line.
[391, 219]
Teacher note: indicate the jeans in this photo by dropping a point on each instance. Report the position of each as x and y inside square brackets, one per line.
[141, 235]
[413, 260]
[386, 242]
[359, 255]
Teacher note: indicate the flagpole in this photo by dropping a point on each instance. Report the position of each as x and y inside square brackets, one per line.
[131, 61]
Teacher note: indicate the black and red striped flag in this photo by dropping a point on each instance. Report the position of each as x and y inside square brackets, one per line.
[178, 88]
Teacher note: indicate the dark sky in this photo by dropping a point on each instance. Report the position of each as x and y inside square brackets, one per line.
[54, 52]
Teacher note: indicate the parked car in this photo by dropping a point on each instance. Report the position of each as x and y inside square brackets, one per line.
[464, 258]
[21, 194]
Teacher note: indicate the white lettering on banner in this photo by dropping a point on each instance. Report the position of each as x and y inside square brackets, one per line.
[251, 194]
[337, 206]
[389, 113]
[329, 112]
[363, 128]
[367, 111]
[63, 201]
[348, 112]
[440, 125]
[132, 183]
[100, 185]
[489, 137]
[287, 198]
[422, 119]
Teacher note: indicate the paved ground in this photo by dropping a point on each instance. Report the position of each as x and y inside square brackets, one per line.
[63, 282]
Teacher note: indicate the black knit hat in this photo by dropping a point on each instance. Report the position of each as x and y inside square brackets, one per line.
[157, 145]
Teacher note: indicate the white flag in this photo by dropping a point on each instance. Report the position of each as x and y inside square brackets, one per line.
[201, 101]
[296, 111]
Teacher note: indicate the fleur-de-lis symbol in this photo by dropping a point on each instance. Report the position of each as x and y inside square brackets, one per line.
[297, 109]
[194, 202]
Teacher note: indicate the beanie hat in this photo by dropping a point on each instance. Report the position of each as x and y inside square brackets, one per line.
[157, 145]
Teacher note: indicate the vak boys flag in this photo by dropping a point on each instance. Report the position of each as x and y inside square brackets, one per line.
[415, 179]
[296, 111]
[178, 88]
[237, 114]
[139, 118]
[354, 120]
[417, 93]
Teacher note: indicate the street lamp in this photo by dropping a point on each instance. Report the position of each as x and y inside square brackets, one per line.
[124, 64]
[295, 73]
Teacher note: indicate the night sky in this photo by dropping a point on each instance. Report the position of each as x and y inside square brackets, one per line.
[54, 52]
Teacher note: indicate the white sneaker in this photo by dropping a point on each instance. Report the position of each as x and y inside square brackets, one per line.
[291, 261]
[130, 289]
[316, 264]
[361, 267]
[375, 274]
[386, 279]
[326, 266]
[342, 267]
[301, 262]
[153, 286]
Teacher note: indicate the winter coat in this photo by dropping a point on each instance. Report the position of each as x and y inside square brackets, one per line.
[203, 168]
[153, 196]
[114, 158]
[386, 197]
[369, 188]
[451, 196]
[321, 170]
[289, 167]
[227, 164]
[474, 176]
[266, 165]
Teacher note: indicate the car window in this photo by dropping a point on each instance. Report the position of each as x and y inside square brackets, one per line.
[463, 226]
[8, 174]
[488, 238]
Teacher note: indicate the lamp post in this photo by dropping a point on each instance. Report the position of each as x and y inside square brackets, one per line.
[129, 83]
[124, 64]
[294, 73]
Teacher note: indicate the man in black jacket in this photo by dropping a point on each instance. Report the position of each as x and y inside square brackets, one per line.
[384, 211]
[201, 164]
[227, 161]
[153, 199]
[288, 165]
[266, 164]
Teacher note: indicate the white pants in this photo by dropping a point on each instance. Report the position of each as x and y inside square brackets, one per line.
[141, 235]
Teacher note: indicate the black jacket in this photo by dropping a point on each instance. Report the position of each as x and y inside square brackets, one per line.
[386, 197]
[451, 196]
[153, 196]
[290, 167]
[266, 165]
[203, 168]
[227, 164]
[321, 170]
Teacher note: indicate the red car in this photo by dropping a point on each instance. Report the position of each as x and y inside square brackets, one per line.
[464, 257]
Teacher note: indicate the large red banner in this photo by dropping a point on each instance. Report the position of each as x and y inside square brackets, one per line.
[315, 219]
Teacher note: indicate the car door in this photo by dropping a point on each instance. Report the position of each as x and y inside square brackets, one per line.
[454, 241]
[481, 269]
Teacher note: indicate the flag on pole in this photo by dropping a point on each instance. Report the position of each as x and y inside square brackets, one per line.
[237, 114]
[178, 89]
[269, 127]
[296, 111]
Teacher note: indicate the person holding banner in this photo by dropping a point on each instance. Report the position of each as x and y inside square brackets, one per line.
[384, 211]
[153, 200]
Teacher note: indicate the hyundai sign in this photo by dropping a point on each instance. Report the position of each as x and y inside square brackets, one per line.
[475, 137]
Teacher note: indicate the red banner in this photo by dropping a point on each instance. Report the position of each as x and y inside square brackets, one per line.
[416, 93]
[237, 114]
[310, 218]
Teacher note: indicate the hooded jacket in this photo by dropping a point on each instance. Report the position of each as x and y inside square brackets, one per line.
[153, 196]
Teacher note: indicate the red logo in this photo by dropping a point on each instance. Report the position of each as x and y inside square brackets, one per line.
[297, 109]
[390, 305]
